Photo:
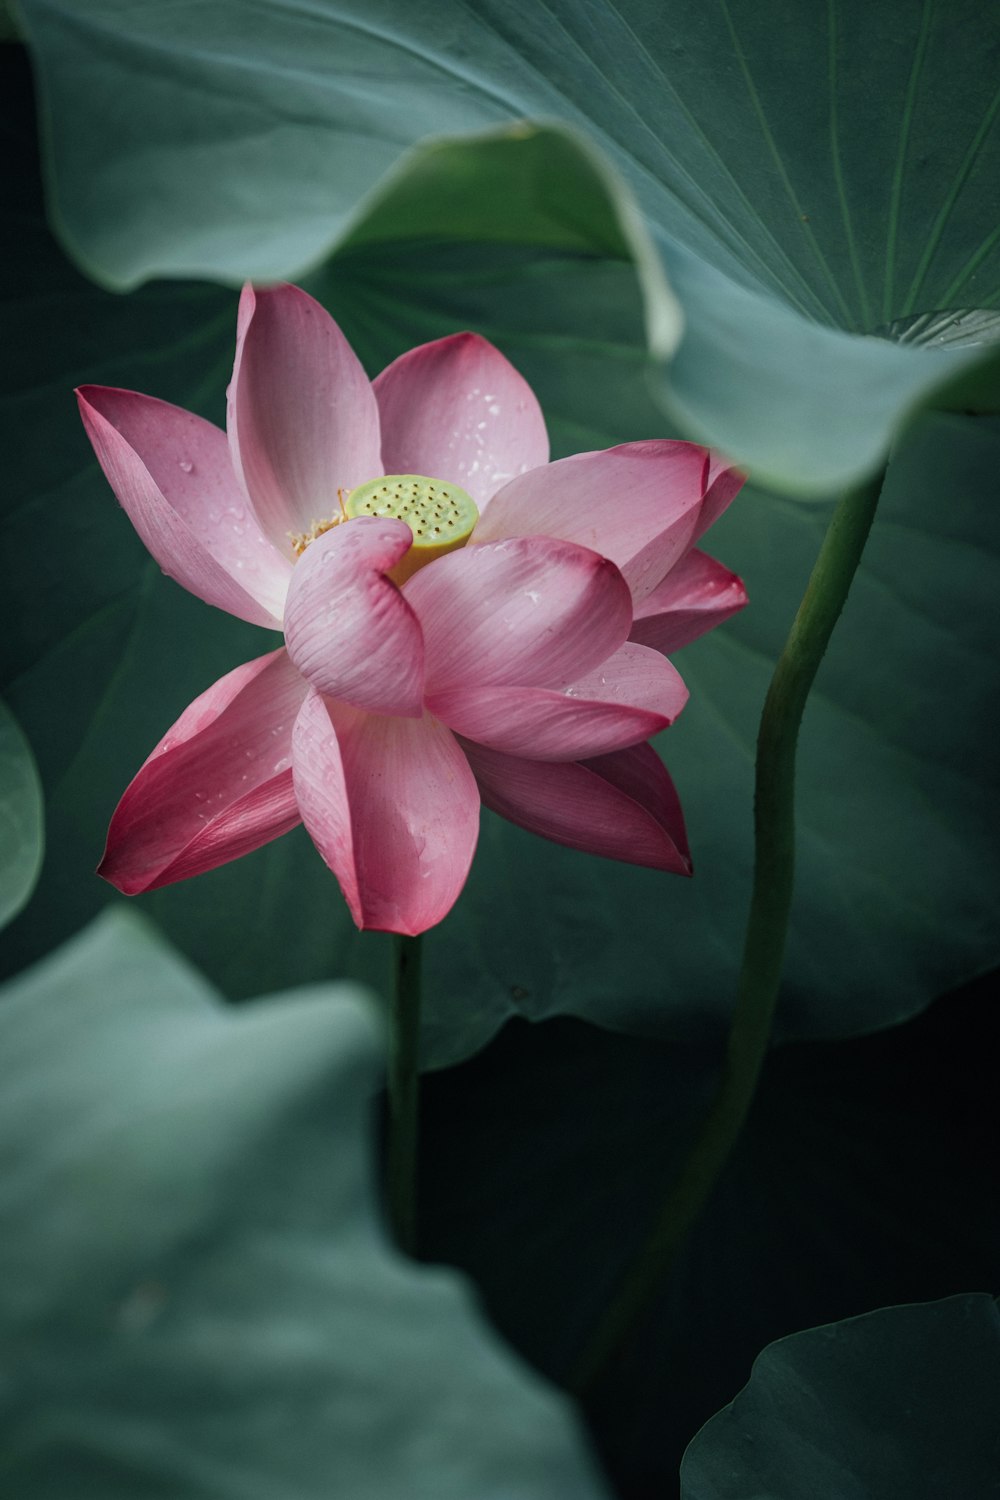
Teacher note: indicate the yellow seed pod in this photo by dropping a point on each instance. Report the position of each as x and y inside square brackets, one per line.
[440, 515]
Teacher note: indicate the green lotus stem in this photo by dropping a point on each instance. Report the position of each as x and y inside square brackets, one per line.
[403, 1084]
[767, 925]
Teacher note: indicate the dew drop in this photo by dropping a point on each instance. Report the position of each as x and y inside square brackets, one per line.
[186, 465]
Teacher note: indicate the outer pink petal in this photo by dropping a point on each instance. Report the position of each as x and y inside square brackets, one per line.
[303, 421]
[723, 485]
[625, 700]
[527, 612]
[694, 597]
[622, 806]
[171, 473]
[637, 504]
[348, 628]
[457, 410]
[218, 785]
[392, 807]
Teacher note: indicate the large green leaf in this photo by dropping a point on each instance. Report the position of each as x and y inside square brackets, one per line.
[809, 176]
[22, 833]
[897, 876]
[196, 1294]
[901, 1402]
[863, 1179]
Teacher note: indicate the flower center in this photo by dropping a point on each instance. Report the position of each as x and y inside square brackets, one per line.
[440, 515]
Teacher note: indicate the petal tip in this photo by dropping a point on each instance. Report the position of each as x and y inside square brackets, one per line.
[117, 878]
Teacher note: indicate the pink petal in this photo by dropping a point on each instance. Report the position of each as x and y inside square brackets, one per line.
[626, 699]
[457, 410]
[348, 628]
[637, 504]
[218, 784]
[696, 595]
[392, 807]
[622, 806]
[527, 612]
[303, 421]
[171, 473]
[722, 486]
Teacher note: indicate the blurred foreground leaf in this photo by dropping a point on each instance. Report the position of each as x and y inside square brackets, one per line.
[196, 1294]
[22, 833]
[900, 1402]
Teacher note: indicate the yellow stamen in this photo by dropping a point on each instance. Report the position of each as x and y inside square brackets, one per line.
[301, 539]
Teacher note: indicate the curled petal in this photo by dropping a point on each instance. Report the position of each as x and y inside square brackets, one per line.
[527, 612]
[392, 807]
[302, 421]
[348, 628]
[694, 597]
[622, 806]
[723, 484]
[172, 475]
[625, 700]
[218, 784]
[637, 504]
[457, 410]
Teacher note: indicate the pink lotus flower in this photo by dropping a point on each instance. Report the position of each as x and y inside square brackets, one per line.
[419, 675]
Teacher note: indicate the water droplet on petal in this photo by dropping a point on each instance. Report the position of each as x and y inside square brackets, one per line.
[186, 465]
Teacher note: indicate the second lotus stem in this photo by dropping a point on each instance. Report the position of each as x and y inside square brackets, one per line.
[767, 924]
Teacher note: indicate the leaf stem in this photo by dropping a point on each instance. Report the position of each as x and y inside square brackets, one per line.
[403, 1084]
[767, 925]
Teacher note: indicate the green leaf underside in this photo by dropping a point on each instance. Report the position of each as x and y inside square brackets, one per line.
[22, 834]
[961, 328]
[197, 1293]
[831, 173]
[101, 654]
[900, 1402]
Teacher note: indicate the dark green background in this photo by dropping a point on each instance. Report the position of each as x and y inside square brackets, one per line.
[808, 174]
